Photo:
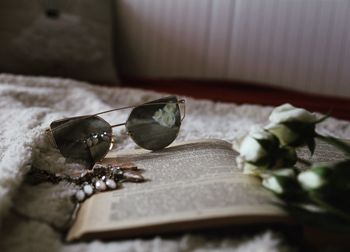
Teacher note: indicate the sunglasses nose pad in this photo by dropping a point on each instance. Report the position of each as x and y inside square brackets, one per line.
[113, 141]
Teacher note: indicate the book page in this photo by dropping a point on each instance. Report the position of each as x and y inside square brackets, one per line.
[194, 182]
[324, 153]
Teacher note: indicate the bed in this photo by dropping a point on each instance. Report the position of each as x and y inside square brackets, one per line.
[33, 217]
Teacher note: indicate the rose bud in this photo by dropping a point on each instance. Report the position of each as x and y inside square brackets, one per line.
[260, 151]
[282, 182]
[293, 126]
[289, 113]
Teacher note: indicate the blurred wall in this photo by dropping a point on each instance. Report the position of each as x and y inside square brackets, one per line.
[297, 44]
[58, 38]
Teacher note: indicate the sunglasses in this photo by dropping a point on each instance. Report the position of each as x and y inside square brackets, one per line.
[152, 125]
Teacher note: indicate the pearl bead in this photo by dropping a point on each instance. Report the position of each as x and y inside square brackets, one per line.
[111, 184]
[88, 189]
[80, 195]
[100, 185]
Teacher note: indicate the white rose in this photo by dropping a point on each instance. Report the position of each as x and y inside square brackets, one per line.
[260, 151]
[283, 133]
[279, 181]
[249, 148]
[311, 180]
[287, 113]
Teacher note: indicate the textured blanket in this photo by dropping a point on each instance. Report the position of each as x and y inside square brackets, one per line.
[33, 217]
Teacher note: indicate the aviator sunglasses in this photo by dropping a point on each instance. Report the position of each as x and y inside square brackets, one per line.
[152, 125]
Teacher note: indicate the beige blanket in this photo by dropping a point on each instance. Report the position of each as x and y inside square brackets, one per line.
[32, 217]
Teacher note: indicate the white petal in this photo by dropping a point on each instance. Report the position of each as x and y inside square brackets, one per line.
[250, 169]
[273, 184]
[287, 113]
[236, 143]
[251, 150]
[310, 180]
[260, 133]
[285, 172]
[282, 132]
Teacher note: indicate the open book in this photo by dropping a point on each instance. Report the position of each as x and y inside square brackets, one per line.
[191, 185]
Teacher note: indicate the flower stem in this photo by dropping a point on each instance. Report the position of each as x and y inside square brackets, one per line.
[329, 207]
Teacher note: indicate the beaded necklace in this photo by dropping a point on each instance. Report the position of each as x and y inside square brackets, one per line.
[100, 178]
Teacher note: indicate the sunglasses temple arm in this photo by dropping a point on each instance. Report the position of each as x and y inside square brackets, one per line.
[117, 125]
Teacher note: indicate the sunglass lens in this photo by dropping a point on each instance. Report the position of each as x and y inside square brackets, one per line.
[156, 124]
[82, 138]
